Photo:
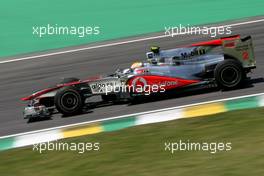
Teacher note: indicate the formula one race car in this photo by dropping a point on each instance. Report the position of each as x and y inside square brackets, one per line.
[223, 62]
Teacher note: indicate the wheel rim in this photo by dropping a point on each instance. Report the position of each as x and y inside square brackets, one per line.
[230, 75]
[69, 101]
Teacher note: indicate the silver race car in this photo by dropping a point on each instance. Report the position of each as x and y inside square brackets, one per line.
[223, 62]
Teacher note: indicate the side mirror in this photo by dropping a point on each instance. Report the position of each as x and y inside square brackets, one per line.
[149, 55]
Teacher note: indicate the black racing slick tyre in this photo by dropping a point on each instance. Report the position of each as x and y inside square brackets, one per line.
[229, 74]
[69, 101]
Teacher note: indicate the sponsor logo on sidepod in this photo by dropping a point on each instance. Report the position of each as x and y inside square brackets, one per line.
[139, 80]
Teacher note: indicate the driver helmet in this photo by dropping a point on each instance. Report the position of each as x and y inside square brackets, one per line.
[136, 65]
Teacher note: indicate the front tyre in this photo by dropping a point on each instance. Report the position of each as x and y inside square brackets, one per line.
[229, 74]
[69, 101]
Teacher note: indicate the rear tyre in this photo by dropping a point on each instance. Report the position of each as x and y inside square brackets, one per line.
[69, 101]
[229, 74]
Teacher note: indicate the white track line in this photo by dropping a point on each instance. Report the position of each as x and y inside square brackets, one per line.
[115, 43]
[135, 114]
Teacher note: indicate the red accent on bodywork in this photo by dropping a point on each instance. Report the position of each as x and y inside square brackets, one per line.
[140, 70]
[168, 82]
[216, 42]
[245, 55]
[37, 94]
[230, 45]
[58, 86]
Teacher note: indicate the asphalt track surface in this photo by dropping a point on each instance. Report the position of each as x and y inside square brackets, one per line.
[19, 79]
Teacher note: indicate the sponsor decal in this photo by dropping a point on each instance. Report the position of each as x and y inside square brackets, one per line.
[245, 55]
[195, 52]
[139, 81]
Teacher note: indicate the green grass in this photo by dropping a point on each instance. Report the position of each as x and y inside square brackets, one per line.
[140, 150]
[116, 19]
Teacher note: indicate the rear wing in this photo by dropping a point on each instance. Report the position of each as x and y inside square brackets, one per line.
[241, 49]
[235, 47]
